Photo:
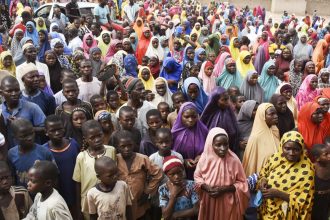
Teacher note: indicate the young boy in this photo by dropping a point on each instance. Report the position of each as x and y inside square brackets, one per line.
[15, 201]
[154, 121]
[113, 101]
[65, 152]
[48, 203]
[84, 174]
[164, 110]
[238, 101]
[65, 74]
[98, 103]
[23, 156]
[321, 206]
[141, 175]
[111, 198]
[178, 99]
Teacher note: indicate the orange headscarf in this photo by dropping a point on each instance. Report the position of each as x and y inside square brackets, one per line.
[320, 54]
[326, 92]
[142, 46]
[312, 133]
[138, 29]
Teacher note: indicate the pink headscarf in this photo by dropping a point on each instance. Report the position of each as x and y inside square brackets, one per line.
[86, 47]
[216, 171]
[218, 67]
[306, 93]
[208, 81]
[112, 49]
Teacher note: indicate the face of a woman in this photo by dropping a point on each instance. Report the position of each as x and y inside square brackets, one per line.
[106, 38]
[161, 89]
[271, 117]
[313, 83]
[237, 43]
[280, 105]
[59, 49]
[193, 37]
[146, 34]
[193, 91]
[145, 74]
[247, 59]
[40, 22]
[310, 69]
[253, 79]
[189, 118]
[50, 59]
[271, 70]
[7, 61]
[153, 61]
[202, 56]
[287, 94]
[155, 43]
[97, 55]
[191, 54]
[223, 101]
[286, 54]
[127, 46]
[42, 37]
[298, 65]
[325, 77]
[325, 104]
[19, 36]
[208, 71]
[89, 41]
[292, 151]
[119, 47]
[78, 118]
[317, 116]
[29, 28]
[220, 145]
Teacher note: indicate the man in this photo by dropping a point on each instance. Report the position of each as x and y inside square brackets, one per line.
[60, 18]
[26, 16]
[30, 53]
[72, 10]
[75, 40]
[131, 11]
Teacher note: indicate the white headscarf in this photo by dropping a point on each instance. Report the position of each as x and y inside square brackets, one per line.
[151, 51]
[168, 95]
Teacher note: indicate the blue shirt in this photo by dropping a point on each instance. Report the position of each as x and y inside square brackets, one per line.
[21, 163]
[102, 13]
[45, 101]
[66, 161]
[26, 110]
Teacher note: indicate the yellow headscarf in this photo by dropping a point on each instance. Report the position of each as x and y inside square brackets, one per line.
[12, 68]
[294, 178]
[43, 27]
[233, 50]
[148, 85]
[241, 66]
[104, 47]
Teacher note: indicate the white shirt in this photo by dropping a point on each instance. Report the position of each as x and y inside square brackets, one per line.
[131, 10]
[59, 98]
[88, 89]
[42, 69]
[74, 43]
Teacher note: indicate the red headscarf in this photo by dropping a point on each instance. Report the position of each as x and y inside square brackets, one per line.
[142, 46]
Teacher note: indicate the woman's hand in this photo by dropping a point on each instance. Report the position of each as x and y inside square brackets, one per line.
[275, 193]
[263, 184]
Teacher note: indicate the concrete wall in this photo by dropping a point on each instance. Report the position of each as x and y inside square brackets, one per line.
[291, 6]
[252, 3]
[322, 7]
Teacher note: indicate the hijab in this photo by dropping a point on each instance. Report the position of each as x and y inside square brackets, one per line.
[151, 51]
[243, 68]
[15, 44]
[86, 47]
[44, 47]
[302, 51]
[118, 59]
[19, 57]
[142, 46]
[233, 50]
[250, 92]
[169, 64]
[155, 70]
[306, 93]
[219, 65]
[267, 82]
[245, 120]
[295, 78]
[208, 81]
[96, 65]
[54, 73]
[319, 54]
[130, 65]
[148, 85]
[202, 98]
[138, 29]
[197, 52]
[321, 84]
[167, 97]
[227, 79]
[34, 35]
[292, 103]
[102, 45]
[12, 68]
[43, 27]
[61, 58]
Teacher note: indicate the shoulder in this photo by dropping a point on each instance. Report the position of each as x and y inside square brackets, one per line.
[12, 151]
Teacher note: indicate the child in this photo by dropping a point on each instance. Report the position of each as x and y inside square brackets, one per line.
[111, 198]
[178, 198]
[178, 99]
[65, 74]
[145, 61]
[154, 121]
[321, 206]
[164, 110]
[84, 173]
[65, 151]
[141, 175]
[105, 119]
[23, 156]
[238, 101]
[98, 103]
[48, 203]
[15, 201]
[113, 101]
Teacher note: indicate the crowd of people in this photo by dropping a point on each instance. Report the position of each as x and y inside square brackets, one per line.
[163, 110]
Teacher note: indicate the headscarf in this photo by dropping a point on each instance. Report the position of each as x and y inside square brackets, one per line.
[118, 59]
[215, 48]
[202, 98]
[86, 47]
[295, 79]
[151, 51]
[55, 35]
[256, 154]
[54, 73]
[219, 65]
[134, 45]
[216, 171]
[59, 35]
[15, 44]
[250, 92]
[194, 30]
[44, 47]
[312, 133]
[34, 35]
[292, 103]
[294, 178]
[260, 59]
[306, 93]
[12, 68]
[148, 85]
[208, 81]
[243, 68]
[320, 83]
[268, 83]
[233, 50]
[43, 27]
[283, 64]
[47, 88]
[176, 69]
[96, 65]
[227, 79]
[19, 57]
[165, 98]
[155, 70]
[302, 51]
[102, 115]
[197, 52]
[245, 120]
[189, 142]
[319, 54]
[112, 49]
[103, 46]
[130, 65]
[138, 29]
[142, 46]
[61, 58]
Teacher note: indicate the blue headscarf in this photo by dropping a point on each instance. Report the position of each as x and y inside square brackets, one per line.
[197, 52]
[202, 98]
[55, 35]
[227, 79]
[44, 47]
[185, 57]
[130, 64]
[268, 83]
[171, 70]
[187, 27]
[34, 35]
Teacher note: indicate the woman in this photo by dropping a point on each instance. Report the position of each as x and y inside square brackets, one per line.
[162, 92]
[283, 62]
[118, 60]
[143, 44]
[88, 43]
[155, 49]
[219, 65]
[171, 71]
[95, 55]
[15, 47]
[313, 124]
[44, 45]
[55, 69]
[287, 181]
[213, 45]
[251, 88]
[220, 180]
[244, 63]
[154, 66]
[268, 81]
[19, 57]
[146, 77]
[115, 46]
[7, 62]
[230, 75]
[319, 55]
[58, 46]
[307, 91]
[309, 69]
[234, 48]
[285, 117]
[323, 78]
[104, 42]
[32, 33]
[286, 90]
[205, 74]
[138, 27]
[193, 91]
[264, 139]
[189, 135]
[295, 75]
[127, 46]
[200, 56]
[303, 50]
[40, 24]
[218, 113]
[130, 65]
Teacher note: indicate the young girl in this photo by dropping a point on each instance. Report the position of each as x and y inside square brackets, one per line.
[88, 43]
[154, 66]
[104, 118]
[7, 63]
[162, 92]
[307, 91]
[104, 42]
[146, 77]
[95, 55]
[207, 77]
[268, 81]
[194, 92]
[251, 88]
[178, 198]
[220, 180]
[58, 46]
[189, 136]
[44, 45]
[55, 69]
[171, 72]
[141, 175]
[154, 49]
[230, 75]
[84, 173]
